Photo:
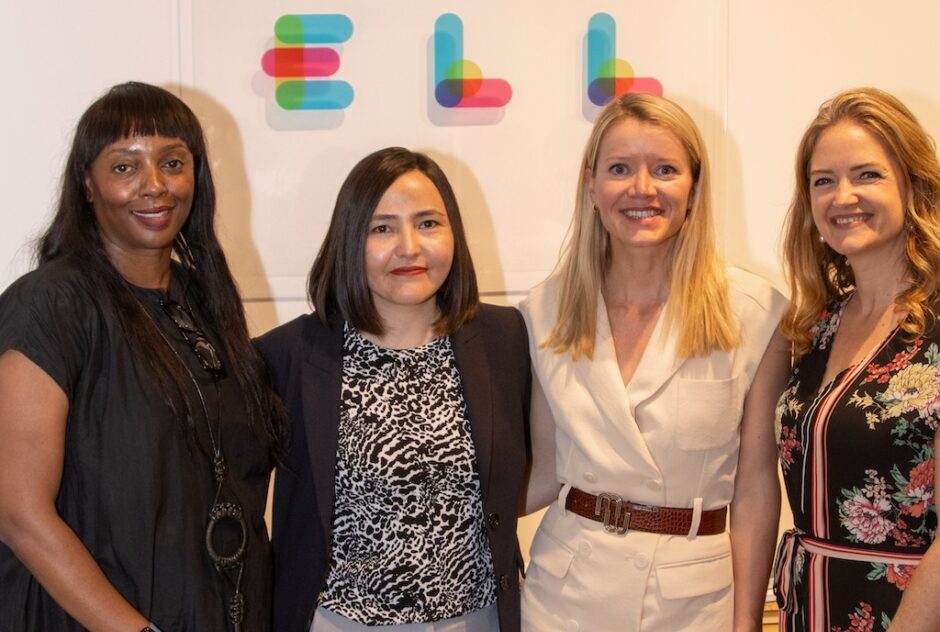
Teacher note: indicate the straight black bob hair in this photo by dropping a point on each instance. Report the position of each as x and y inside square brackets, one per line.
[337, 285]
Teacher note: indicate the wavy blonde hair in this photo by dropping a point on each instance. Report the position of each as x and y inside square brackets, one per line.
[817, 274]
[698, 288]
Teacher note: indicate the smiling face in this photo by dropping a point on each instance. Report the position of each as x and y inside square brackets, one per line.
[641, 185]
[857, 194]
[410, 246]
[142, 190]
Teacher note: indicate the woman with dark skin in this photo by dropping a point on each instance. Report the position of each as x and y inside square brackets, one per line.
[409, 404]
[134, 409]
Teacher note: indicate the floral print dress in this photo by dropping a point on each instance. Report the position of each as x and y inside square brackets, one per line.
[858, 463]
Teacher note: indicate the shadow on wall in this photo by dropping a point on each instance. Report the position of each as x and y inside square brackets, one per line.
[729, 214]
[233, 199]
[478, 224]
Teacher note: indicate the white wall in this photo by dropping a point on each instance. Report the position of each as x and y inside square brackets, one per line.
[58, 57]
[751, 72]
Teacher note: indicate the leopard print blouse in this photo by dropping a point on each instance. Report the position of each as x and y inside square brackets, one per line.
[409, 539]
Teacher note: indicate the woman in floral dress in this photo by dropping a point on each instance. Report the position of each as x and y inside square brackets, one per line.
[858, 421]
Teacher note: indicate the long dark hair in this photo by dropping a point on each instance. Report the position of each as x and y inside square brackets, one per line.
[337, 285]
[139, 109]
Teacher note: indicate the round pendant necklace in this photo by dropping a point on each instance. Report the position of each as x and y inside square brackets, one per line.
[221, 511]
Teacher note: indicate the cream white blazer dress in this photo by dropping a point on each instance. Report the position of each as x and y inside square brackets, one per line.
[669, 438]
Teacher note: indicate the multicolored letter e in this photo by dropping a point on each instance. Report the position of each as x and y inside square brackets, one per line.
[293, 61]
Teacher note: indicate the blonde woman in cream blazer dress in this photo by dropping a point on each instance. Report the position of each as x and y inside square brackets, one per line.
[670, 437]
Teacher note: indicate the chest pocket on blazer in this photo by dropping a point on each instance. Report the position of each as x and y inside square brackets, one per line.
[707, 413]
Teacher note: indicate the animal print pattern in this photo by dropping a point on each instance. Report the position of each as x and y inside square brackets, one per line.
[409, 539]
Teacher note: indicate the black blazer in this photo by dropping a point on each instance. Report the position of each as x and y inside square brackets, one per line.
[306, 360]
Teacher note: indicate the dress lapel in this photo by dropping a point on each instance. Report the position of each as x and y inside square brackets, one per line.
[476, 381]
[617, 403]
[658, 363]
[322, 391]
[602, 374]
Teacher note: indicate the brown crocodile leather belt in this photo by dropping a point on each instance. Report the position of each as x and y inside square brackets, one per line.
[620, 516]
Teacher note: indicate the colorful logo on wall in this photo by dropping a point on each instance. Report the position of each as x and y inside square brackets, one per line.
[459, 82]
[608, 76]
[298, 64]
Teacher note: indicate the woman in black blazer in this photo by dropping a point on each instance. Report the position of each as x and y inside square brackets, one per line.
[409, 404]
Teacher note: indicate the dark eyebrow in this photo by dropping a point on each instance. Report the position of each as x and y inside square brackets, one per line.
[128, 150]
[426, 213]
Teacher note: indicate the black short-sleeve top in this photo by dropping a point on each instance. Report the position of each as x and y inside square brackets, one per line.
[136, 487]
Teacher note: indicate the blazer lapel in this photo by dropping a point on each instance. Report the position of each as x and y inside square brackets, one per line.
[602, 373]
[617, 403]
[476, 381]
[658, 363]
[322, 384]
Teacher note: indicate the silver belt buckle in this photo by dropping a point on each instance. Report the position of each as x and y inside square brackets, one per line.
[605, 500]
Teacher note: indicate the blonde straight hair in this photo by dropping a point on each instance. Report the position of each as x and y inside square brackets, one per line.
[698, 305]
[817, 274]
